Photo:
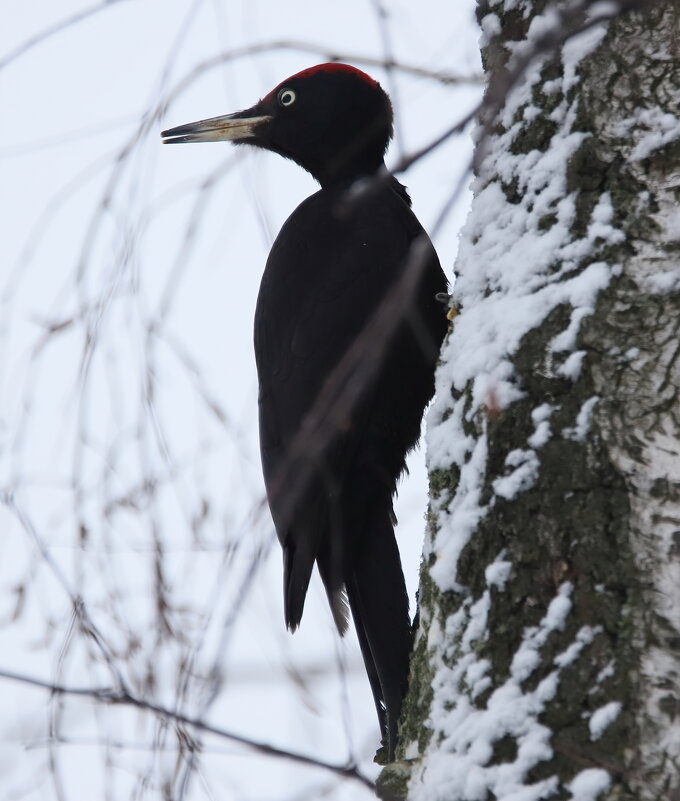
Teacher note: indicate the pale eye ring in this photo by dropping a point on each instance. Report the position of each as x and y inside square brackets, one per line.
[287, 97]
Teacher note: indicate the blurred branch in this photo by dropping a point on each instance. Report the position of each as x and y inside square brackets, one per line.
[383, 21]
[386, 63]
[80, 612]
[52, 30]
[108, 695]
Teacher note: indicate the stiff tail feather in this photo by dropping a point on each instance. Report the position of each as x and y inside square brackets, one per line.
[379, 604]
[297, 571]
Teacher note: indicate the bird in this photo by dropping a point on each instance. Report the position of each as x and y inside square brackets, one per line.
[348, 329]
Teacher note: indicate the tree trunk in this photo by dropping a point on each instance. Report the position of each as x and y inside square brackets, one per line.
[547, 660]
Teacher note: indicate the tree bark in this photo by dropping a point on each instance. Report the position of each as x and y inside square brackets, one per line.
[547, 659]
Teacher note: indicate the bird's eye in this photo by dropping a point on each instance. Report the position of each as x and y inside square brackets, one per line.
[287, 97]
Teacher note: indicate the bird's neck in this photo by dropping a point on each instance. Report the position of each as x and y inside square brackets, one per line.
[349, 175]
[338, 174]
[350, 194]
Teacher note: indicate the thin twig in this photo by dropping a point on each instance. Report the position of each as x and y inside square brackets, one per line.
[109, 695]
[50, 31]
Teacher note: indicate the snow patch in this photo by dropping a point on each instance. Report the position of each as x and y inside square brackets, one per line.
[602, 217]
[412, 750]
[602, 718]
[475, 630]
[589, 784]
[540, 416]
[476, 678]
[497, 574]
[566, 340]
[582, 427]
[572, 366]
[605, 673]
[542, 412]
[584, 637]
[434, 634]
[666, 281]
[510, 5]
[605, 8]
[523, 476]
[650, 129]
[527, 658]
[491, 26]
[459, 519]
[559, 608]
[540, 436]
[578, 47]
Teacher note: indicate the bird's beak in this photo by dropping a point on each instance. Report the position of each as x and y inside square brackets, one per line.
[230, 127]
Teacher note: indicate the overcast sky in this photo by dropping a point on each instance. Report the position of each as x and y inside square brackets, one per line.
[129, 462]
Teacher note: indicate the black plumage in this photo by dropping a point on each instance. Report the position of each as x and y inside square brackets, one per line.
[341, 398]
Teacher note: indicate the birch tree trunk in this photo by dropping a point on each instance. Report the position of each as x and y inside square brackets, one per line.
[547, 660]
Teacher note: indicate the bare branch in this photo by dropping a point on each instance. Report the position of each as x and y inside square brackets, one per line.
[52, 30]
[108, 695]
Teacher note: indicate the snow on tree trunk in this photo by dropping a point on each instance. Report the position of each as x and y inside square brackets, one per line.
[547, 661]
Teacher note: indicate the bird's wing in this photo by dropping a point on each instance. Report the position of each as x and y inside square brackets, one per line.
[316, 298]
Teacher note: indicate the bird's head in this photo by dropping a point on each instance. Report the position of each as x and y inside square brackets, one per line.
[334, 120]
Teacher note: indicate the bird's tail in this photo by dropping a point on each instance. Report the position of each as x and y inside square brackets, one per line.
[297, 570]
[379, 604]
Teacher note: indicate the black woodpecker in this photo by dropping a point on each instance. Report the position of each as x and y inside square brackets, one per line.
[330, 465]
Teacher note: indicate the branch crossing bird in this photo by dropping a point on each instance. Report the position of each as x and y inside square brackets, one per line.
[347, 335]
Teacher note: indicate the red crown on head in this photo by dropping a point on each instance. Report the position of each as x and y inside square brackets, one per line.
[331, 66]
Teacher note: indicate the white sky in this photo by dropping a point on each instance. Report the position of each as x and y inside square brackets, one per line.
[78, 431]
